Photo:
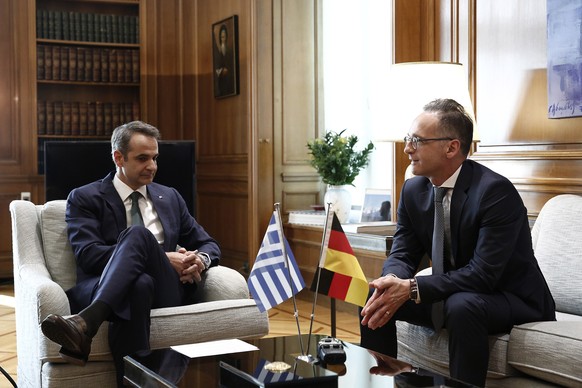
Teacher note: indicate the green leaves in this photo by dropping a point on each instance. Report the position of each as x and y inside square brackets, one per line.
[335, 159]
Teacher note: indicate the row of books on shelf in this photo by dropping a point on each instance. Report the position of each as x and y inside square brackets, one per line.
[87, 64]
[87, 27]
[78, 118]
[317, 218]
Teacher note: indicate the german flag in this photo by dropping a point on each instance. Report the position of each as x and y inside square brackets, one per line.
[339, 273]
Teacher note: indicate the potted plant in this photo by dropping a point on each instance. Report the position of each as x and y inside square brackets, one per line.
[336, 160]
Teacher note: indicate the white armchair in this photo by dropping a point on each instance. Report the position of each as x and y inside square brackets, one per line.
[535, 354]
[44, 267]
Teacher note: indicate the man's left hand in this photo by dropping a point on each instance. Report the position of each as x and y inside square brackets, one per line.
[189, 266]
[390, 293]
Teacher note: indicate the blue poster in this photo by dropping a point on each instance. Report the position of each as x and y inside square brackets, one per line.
[564, 58]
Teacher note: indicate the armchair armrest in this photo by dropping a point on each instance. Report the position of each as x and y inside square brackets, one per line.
[37, 295]
[221, 283]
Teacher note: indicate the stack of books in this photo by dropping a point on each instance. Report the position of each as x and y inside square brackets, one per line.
[87, 64]
[380, 228]
[87, 27]
[307, 217]
[317, 218]
[81, 118]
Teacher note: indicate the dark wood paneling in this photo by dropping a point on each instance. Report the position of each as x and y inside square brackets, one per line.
[503, 46]
[223, 132]
[161, 32]
[17, 150]
[17, 153]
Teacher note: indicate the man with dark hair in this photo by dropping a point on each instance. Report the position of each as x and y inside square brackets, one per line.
[137, 248]
[485, 276]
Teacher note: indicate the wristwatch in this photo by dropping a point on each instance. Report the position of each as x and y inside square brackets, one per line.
[205, 259]
[413, 290]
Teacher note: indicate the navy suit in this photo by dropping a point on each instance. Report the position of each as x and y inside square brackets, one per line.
[495, 271]
[126, 267]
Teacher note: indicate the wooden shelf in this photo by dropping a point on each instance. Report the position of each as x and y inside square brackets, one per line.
[88, 83]
[73, 137]
[122, 2]
[84, 48]
[85, 43]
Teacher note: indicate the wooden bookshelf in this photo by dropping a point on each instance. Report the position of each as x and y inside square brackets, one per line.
[88, 57]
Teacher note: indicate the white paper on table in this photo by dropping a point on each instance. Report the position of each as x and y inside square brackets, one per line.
[213, 348]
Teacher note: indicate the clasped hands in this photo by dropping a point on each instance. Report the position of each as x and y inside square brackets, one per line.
[188, 265]
[389, 294]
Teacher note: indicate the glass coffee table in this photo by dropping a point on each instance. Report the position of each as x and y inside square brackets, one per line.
[362, 368]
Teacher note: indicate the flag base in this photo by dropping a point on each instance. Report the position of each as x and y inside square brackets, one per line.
[302, 374]
[308, 358]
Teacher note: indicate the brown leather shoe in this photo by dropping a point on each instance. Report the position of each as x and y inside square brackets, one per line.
[71, 333]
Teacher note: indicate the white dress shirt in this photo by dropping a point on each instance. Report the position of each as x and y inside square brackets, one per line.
[146, 207]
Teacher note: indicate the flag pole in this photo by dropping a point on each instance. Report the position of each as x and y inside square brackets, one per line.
[321, 252]
[284, 248]
[332, 313]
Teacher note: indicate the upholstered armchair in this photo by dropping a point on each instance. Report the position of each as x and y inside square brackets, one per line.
[535, 354]
[44, 267]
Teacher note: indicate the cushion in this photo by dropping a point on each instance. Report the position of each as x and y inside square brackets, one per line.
[557, 245]
[435, 350]
[59, 257]
[548, 350]
[206, 322]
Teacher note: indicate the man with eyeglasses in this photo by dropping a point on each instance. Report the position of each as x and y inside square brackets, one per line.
[489, 280]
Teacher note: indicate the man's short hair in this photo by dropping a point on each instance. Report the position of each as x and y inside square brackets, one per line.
[454, 121]
[122, 135]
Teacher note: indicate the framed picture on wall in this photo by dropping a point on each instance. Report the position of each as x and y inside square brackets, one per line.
[564, 71]
[225, 57]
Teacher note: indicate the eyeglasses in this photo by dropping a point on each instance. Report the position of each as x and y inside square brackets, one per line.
[415, 140]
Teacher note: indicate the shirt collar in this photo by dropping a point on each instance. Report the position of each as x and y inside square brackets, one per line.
[450, 183]
[124, 190]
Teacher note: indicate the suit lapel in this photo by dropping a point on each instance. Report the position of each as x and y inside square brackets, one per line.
[458, 202]
[163, 208]
[426, 206]
[115, 203]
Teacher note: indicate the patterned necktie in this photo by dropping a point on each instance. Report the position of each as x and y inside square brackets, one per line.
[438, 250]
[136, 218]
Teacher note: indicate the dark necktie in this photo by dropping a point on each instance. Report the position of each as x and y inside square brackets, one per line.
[136, 218]
[438, 250]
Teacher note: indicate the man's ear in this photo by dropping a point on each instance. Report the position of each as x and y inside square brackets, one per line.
[118, 158]
[454, 148]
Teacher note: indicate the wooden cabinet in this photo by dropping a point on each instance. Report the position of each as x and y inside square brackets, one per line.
[87, 69]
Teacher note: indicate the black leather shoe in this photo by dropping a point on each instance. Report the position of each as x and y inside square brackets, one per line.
[71, 333]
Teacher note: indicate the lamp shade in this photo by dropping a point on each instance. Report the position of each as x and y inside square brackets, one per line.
[414, 84]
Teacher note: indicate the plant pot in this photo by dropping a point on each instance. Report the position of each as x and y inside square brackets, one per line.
[340, 199]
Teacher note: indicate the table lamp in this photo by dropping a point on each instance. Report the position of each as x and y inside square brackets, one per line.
[411, 86]
[414, 84]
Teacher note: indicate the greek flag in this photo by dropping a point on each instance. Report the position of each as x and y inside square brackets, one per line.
[269, 279]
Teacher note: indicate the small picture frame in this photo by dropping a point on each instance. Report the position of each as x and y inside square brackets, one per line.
[225, 69]
[377, 205]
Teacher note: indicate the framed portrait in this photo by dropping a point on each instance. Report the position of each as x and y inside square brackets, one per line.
[225, 57]
[377, 205]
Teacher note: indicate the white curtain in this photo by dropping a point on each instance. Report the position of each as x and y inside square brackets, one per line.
[357, 54]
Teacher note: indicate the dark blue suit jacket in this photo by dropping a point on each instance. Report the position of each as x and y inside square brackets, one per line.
[490, 238]
[96, 216]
